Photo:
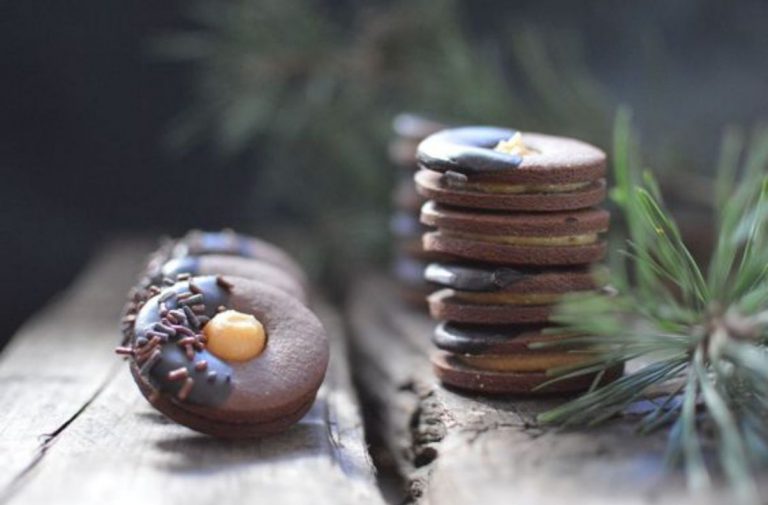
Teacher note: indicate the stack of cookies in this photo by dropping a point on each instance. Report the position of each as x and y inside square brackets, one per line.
[410, 259]
[218, 336]
[518, 213]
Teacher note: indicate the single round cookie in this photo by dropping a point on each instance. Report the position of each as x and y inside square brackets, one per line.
[478, 154]
[452, 372]
[229, 243]
[459, 338]
[537, 239]
[505, 348]
[444, 306]
[520, 197]
[501, 295]
[228, 356]
[217, 264]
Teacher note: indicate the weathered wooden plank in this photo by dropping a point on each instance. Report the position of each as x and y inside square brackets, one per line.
[60, 359]
[109, 446]
[461, 449]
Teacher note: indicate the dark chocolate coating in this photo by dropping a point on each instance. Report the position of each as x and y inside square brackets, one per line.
[467, 150]
[489, 339]
[487, 278]
[205, 392]
[227, 242]
[217, 264]
[452, 372]
[468, 278]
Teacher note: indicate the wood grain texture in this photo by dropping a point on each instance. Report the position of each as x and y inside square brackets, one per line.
[76, 430]
[462, 449]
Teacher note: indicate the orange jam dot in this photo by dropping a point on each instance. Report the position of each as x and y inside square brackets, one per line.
[234, 336]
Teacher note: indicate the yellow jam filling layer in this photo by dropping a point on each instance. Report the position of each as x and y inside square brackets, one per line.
[518, 189]
[566, 240]
[504, 298]
[529, 362]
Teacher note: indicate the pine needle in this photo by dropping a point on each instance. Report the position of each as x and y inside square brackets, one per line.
[707, 333]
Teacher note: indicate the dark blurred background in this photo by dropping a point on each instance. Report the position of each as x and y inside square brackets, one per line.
[272, 116]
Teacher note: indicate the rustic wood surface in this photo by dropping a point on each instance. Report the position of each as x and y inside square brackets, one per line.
[74, 428]
[458, 449]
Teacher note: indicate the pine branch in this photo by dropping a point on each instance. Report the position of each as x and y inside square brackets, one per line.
[706, 334]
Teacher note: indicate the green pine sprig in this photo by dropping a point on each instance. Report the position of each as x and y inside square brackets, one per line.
[699, 335]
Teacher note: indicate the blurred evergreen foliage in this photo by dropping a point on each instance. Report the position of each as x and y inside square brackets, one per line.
[306, 96]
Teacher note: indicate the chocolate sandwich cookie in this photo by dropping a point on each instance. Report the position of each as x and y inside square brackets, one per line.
[501, 295]
[554, 238]
[229, 243]
[512, 197]
[505, 348]
[217, 264]
[227, 356]
[451, 371]
[503, 156]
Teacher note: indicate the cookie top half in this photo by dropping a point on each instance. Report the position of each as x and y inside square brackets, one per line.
[484, 167]
[487, 153]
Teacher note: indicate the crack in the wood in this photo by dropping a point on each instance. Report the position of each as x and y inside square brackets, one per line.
[426, 422]
[47, 440]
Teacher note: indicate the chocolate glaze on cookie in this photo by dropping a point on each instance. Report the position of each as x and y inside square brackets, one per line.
[467, 150]
[182, 377]
[489, 278]
[490, 339]
[216, 264]
[167, 337]
[227, 242]
[475, 278]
